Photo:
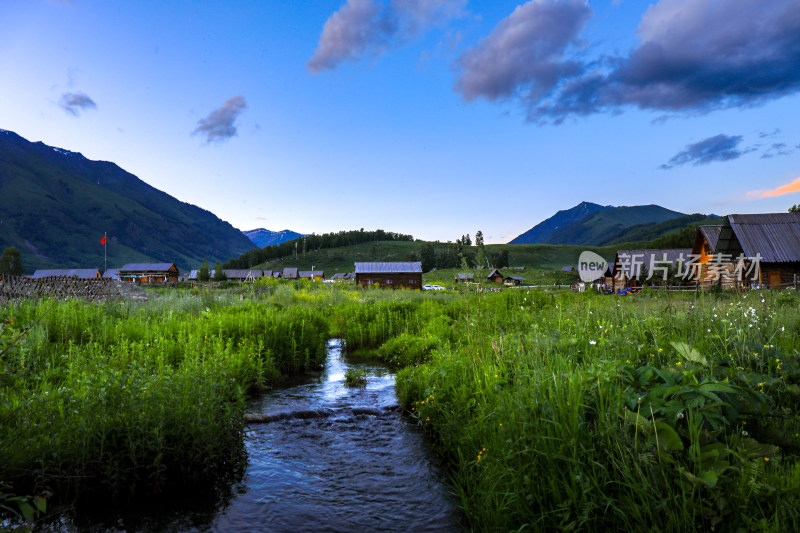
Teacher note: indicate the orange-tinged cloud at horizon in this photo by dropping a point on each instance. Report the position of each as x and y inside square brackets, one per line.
[778, 191]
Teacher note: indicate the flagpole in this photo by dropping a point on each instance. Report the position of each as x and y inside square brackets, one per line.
[105, 255]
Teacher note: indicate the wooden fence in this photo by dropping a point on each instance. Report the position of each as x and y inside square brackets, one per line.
[13, 288]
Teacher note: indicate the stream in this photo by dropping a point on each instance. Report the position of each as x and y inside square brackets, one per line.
[324, 457]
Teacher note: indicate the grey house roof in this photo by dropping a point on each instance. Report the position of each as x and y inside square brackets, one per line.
[338, 275]
[244, 273]
[112, 273]
[83, 273]
[234, 273]
[389, 268]
[636, 258]
[775, 236]
[289, 273]
[147, 267]
[711, 235]
[568, 269]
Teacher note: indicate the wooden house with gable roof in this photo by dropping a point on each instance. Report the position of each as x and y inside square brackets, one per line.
[389, 275]
[313, 275]
[495, 276]
[770, 244]
[149, 273]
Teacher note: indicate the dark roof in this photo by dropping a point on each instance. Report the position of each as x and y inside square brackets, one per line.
[350, 275]
[311, 274]
[468, 275]
[518, 278]
[243, 273]
[775, 236]
[147, 267]
[568, 269]
[493, 273]
[711, 235]
[83, 273]
[388, 268]
[632, 267]
[112, 273]
[338, 275]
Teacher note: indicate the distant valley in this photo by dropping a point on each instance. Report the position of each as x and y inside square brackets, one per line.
[56, 205]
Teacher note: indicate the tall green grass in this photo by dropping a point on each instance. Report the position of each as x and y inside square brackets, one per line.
[582, 412]
[570, 411]
[118, 402]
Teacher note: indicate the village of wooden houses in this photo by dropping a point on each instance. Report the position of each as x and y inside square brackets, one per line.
[769, 245]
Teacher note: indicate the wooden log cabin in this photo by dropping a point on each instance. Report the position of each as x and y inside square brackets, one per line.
[389, 275]
[313, 275]
[142, 273]
[773, 238]
[707, 273]
[495, 276]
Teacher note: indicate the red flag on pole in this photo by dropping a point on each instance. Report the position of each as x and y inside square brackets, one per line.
[103, 240]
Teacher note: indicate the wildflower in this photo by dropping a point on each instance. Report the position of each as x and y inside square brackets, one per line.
[766, 459]
[660, 350]
[592, 342]
[678, 363]
[679, 416]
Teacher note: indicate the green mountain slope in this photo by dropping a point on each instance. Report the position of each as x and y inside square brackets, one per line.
[596, 229]
[649, 232]
[55, 206]
[543, 231]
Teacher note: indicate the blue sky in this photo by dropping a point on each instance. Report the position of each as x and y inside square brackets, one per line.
[430, 117]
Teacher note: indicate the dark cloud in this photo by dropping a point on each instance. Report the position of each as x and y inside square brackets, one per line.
[74, 103]
[524, 54]
[718, 148]
[220, 124]
[694, 56]
[776, 150]
[363, 27]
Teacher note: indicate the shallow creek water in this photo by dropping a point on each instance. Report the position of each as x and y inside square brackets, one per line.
[331, 458]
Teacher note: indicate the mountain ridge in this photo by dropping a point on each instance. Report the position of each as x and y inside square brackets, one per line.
[56, 205]
[262, 237]
[540, 233]
[590, 224]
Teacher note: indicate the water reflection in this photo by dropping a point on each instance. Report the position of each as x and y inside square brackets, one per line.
[357, 466]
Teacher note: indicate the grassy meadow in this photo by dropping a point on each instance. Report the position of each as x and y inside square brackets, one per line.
[576, 412]
[543, 259]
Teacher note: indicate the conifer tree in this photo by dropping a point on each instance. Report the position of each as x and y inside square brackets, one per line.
[11, 262]
[219, 274]
[202, 274]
